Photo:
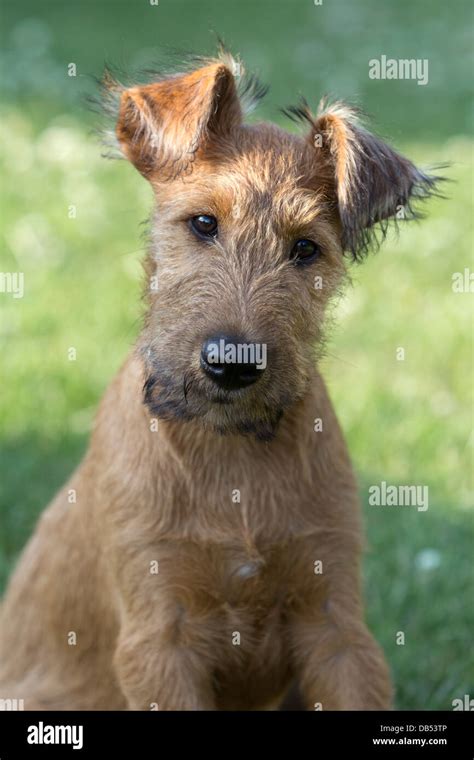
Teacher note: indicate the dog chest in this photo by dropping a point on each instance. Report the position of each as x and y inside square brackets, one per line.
[221, 576]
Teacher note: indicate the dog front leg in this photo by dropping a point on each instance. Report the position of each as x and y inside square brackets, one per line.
[340, 665]
[156, 674]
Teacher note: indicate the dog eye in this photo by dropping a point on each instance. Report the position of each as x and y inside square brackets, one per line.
[204, 225]
[305, 252]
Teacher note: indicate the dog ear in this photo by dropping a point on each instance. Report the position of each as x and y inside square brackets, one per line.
[371, 183]
[161, 126]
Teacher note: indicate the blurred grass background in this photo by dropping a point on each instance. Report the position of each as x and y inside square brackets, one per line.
[407, 422]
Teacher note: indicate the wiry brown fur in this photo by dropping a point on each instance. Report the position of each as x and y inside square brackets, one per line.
[224, 566]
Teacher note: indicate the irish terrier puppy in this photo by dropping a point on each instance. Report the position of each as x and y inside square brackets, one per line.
[206, 552]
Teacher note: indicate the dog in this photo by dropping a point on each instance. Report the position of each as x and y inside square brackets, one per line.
[205, 555]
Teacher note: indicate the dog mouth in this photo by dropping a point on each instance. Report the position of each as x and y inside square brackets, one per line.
[241, 411]
[208, 393]
[221, 401]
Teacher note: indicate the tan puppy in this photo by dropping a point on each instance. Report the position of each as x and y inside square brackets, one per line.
[206, 552]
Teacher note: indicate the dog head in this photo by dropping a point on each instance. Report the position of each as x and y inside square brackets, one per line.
[248, 238]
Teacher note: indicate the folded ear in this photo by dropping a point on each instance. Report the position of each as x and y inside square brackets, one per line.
[371, 182]
[161, 126]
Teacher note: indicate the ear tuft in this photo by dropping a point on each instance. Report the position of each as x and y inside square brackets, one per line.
[249, 88]
[372, 184]
[163, 125]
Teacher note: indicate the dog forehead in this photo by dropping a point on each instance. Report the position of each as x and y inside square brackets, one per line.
[264, 171]
[265, 158]
[262, 175]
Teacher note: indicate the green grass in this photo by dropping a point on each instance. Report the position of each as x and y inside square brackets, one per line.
[406, 421]
[297, 47]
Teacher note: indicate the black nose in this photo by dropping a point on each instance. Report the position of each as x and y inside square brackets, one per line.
[231, 362]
